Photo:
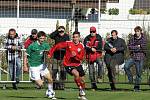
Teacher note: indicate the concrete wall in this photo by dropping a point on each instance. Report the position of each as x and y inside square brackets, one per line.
[124, 22]
[25, 25]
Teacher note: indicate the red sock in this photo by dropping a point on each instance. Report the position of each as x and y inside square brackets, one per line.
[79, 83]
[83, 84]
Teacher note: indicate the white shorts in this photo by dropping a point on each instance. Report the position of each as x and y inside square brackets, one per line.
[37, 72]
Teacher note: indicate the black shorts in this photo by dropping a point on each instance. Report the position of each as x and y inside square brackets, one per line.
[78, 68]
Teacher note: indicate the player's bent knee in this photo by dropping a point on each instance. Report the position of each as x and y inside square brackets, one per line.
[49, 78]
[39, 82]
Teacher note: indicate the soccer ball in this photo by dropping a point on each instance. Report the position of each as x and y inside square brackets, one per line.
[50, 93]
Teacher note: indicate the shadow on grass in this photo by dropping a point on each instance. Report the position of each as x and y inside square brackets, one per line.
[108, 89]
[76, 89]
[25, 97]
[118, 89]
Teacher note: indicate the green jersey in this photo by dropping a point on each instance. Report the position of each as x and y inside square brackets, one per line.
[35, 53]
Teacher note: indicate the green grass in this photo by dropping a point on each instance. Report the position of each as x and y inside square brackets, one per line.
[124, 92]
[28, 92]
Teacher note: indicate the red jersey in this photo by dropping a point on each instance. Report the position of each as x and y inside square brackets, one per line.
[69, 59]
[28, 42]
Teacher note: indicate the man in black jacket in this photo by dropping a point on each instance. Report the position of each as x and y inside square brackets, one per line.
[114, 55]
[93, 46]
[58, 69]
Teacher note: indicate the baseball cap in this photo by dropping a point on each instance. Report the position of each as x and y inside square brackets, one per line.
[34, 31]
[92, 28]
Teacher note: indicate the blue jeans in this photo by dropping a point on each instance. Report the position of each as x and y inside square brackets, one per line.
[93, 69]
[15, 68]
[138, 66]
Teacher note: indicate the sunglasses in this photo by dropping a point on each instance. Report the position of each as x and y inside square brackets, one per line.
[33, 33]
[61, 31]
[92, 31]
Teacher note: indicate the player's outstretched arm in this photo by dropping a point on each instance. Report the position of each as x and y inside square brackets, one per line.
[56, 47]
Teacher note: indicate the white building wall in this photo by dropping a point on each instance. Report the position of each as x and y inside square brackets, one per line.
[124, 27]
[124, 23]
[25, 25]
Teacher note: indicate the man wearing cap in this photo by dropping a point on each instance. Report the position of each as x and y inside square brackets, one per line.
[93, 46]
[32, 38]
[58, 69]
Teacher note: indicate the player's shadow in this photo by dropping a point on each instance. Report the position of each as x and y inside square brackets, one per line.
[59, 98]
[23, 97]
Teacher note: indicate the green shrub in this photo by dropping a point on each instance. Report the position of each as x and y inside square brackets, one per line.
[103, 11]
[113, 11]
[147, 60]
[139, 11]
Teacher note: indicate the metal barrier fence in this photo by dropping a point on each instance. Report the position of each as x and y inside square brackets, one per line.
[4, 68]
[121, 78]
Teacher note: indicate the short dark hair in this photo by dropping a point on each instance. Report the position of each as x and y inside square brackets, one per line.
[114, 31]
[41, 33]
[34, 31]
[137, 28]
[76, 32]
[12, 29]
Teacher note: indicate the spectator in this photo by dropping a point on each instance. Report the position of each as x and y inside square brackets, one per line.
[137, 47]
[13, 45]
[93, 46]
[114, 55]
[107, 36]
[32, 38]
[59, 36]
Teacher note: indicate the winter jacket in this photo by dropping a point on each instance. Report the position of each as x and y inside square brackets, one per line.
[29, 41]
[8, 43]
[120, 45]
[93, 42]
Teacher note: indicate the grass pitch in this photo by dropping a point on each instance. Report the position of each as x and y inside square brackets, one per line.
[28, 92]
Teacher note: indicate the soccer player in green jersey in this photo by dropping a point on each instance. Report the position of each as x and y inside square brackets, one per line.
[37, 68]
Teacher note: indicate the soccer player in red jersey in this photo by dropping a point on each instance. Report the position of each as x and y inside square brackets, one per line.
[72, 60]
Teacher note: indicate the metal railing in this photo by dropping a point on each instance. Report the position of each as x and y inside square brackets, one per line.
[4, 68]
[121, 77]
